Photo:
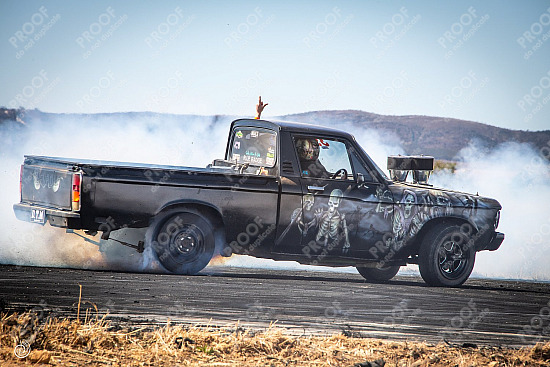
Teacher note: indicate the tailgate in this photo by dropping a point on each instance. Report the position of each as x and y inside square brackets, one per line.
[50, 187]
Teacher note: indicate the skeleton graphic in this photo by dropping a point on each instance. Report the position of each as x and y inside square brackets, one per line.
[404, 214]
[409, 201]
[385, 202]
[305, 219]
[470, 205]
[442, 205]
[417, 222]
[331, 222]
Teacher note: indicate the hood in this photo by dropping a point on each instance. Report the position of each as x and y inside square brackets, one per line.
[402, 191]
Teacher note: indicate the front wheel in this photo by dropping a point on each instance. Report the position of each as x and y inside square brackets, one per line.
[378, 274]
[182, 240]
[446, 258]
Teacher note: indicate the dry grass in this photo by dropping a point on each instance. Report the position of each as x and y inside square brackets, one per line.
[97, 342]
[441, 165]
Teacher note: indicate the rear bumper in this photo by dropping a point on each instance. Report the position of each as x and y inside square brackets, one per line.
[56, 218]
[495, 242]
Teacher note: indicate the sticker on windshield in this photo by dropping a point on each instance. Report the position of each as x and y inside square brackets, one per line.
[239, 134]
[254, 133]
[253, 153]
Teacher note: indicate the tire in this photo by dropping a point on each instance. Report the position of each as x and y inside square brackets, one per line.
[182, 240]
[378, 274]
[445, 258]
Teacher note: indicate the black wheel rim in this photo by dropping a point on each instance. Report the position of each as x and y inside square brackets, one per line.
[184, 243]
[452, 260]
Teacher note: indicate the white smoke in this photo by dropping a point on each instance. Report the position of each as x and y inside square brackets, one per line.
[155, 139]
[518, 176]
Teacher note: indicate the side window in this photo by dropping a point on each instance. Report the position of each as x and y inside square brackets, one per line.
[322, 158]
[360, 168]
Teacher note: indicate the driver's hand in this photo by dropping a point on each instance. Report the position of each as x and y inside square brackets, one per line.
[260, 107]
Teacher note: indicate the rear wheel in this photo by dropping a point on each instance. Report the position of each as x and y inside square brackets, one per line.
[446, 259]
[182, 240]
[378, 274]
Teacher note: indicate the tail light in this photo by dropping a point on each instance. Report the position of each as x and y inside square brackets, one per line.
[77, 180]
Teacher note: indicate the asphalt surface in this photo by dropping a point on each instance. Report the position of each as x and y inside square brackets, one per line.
[483, 312]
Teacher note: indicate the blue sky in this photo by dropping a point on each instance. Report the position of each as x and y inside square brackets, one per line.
[486, 61]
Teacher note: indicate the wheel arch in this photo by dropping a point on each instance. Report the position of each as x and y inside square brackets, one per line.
[434, 222]
[205, 209]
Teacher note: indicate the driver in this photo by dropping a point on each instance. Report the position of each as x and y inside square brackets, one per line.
[308, 153]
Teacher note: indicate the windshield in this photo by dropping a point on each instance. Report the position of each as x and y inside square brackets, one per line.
[255, 146]
[378, 169]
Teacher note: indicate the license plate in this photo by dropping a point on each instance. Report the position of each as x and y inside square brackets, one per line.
[38, 216]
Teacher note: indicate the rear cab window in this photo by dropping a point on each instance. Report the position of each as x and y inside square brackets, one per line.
[256, 147]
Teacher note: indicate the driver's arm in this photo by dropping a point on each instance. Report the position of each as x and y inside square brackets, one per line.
[260, 107]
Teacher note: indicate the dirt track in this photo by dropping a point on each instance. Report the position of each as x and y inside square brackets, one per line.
[482, 311]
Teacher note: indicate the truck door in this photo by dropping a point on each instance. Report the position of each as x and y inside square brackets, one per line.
[345, 211]
[290, 228]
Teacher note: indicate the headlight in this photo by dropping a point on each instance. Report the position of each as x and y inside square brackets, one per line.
[497, 219]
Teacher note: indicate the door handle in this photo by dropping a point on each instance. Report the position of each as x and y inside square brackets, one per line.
[316, 188]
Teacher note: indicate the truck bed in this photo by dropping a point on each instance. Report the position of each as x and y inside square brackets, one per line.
[57, 162]
[129, 193]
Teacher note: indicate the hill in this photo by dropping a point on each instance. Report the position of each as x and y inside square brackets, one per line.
[441, 137]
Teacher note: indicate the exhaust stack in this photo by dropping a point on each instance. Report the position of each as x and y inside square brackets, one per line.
[421, 166]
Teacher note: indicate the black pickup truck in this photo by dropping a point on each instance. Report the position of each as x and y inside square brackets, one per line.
[284, 191]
